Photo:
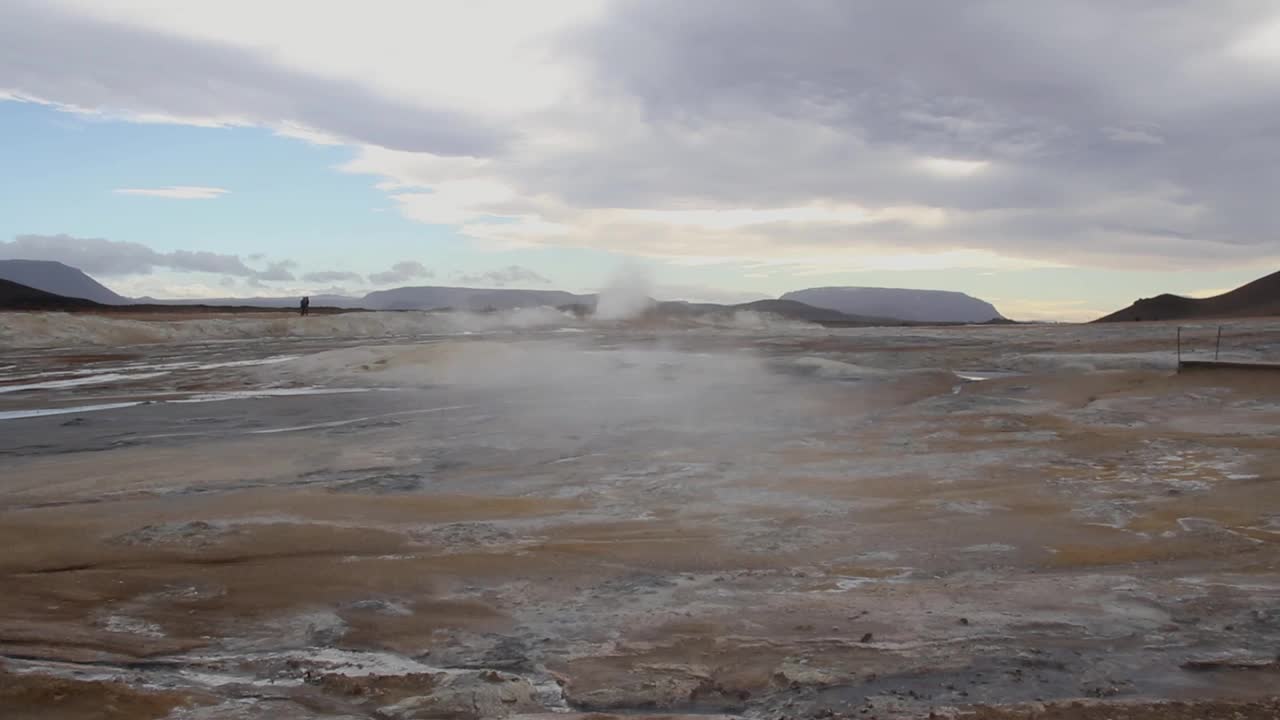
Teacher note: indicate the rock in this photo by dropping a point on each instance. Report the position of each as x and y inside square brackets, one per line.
[460, 537]
[389, 484]
[1268, 618]
[868, 637]
[793, 674]
[471, 695]
[654, 687]
[1232, 662]
[194, 534]
[387, 688]
[319, 628]
[381, 607]
[487, 651]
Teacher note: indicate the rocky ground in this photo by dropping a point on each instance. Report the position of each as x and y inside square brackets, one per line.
[764, 522]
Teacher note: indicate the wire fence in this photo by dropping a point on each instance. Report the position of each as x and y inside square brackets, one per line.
[1228, 345]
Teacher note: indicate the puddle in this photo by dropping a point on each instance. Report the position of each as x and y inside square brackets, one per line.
[980, 375]
[270, 393]
[853, 582]
[247, 363]
[79, 381]
[202, 398]
[354, 421]
[44, 412]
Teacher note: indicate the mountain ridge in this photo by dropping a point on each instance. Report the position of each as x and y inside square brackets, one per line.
[1258, 298]
[58, 278]
[832, 306]
[16, 296]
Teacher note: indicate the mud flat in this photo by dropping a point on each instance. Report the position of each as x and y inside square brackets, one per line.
[553, 518]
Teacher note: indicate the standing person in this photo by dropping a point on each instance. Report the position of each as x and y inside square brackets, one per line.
[305, 305]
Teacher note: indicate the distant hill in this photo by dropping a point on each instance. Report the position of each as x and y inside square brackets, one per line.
[290, 302]
[796, 310]
[412, 298]
[925, 306]
[14, 296]
[1259, 298]
[456, 298]
[832, 306]
[59, 279]
[786, 309]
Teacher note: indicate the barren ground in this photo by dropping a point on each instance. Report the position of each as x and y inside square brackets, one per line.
[754, 521]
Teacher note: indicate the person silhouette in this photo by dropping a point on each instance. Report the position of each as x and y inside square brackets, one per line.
[304, 306]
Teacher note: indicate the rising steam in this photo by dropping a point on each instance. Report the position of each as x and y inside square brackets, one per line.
[627, 294]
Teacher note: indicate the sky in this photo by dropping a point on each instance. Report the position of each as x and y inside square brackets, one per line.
[1057, 159]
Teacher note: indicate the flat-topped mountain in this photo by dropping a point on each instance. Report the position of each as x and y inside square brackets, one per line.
[926, 306]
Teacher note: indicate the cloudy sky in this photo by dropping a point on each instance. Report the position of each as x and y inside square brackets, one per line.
[1057, 158]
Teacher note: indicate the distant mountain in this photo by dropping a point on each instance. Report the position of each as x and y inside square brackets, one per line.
[926, 306]
[1259, 298]
[439, 298]
[411, 298]
[59, 279]
[14, 296]
[833, 306]
[786, 309]
[338, 301]
[796, 310]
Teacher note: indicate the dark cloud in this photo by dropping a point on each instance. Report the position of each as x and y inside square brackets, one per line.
[332, 276]
[107, 258]
[57, 57]
[1106, 127]
[509, 275]
[401, 272]
[280, 271]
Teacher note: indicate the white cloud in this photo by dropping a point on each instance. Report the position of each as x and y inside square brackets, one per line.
[176, 192]
[1030, 310]
[731, 218]
[111, 61]
[1014, 135]
[1137, 136]
[455, 202]
[705, 293]
[1207, 292]
[951, 167]
[488, 55]
[171, 287]
[1260, 43]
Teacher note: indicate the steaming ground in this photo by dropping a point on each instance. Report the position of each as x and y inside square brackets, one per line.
[428, 515]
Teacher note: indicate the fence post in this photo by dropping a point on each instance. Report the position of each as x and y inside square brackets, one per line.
[1218, 346]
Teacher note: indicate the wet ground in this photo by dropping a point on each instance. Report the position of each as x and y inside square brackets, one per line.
[757, 520]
